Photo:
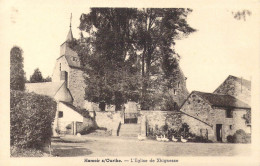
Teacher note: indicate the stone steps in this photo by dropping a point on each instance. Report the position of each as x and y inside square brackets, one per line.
[129, 130]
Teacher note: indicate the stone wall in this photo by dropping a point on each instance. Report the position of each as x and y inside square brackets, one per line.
[77, 86]
[197, 126]
[157, 119]
[197, 107]
[236, 87]
[109, 120]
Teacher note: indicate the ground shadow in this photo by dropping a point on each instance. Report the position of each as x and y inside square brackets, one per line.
[70, 151]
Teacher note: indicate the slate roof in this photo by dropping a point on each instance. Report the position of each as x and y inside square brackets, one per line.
[44, 88]
[82, 112]
[69, 55]
[219, 100]
[69, 36]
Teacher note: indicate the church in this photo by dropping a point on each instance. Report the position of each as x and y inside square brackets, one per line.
[68, 90]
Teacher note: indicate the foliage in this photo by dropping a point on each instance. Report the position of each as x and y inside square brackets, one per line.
[17, 74]
[27, 152]
[47, 79]
[239, 15]
[31, 119]
[241, 137]
[126, 48]
[86, 129]
[230, 138]
[36, 76]
[247, 117]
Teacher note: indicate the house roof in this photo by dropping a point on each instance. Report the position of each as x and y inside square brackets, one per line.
[44, 88]
[82, 112]
[219, 100]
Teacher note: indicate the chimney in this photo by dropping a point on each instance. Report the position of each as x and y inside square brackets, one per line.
[64, 76]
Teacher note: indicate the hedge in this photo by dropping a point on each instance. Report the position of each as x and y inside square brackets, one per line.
[31, 118]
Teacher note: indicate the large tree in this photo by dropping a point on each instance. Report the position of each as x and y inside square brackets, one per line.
[126, 48]
[17, 74]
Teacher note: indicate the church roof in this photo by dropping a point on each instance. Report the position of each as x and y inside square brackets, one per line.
[70, 55]
[56, 90]
[69, 36]
[44, 88]
[219, 100]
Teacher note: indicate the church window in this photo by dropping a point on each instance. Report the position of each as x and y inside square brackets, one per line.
[60, 115]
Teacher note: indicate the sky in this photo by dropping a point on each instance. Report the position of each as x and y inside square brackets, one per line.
[221, 46]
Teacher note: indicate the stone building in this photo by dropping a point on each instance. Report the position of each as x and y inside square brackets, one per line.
[67, 89]
[216, 116]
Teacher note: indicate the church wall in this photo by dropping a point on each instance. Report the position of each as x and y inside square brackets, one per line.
[77, 86]
[157, 119]
[64, 67]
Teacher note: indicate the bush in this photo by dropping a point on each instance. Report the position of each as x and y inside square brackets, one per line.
[31, 119]
[230, 138]
[241, 137]
[86, 129]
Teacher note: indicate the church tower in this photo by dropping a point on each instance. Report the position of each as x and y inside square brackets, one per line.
[68, 68]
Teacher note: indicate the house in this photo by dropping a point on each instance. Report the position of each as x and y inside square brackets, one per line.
[67, 89]
[216, 116]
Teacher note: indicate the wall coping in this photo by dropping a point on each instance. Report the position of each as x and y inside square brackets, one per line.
[160, 111]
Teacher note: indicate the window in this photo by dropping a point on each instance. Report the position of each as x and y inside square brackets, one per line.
[74, 58]
[60, 66]
[179, 84]
[60, 114]
[229, 113]
[230, 127]
[175, 92]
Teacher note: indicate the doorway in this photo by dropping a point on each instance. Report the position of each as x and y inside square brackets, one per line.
[219, 132]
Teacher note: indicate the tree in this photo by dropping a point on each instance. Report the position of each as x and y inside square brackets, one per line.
[127, 47]
[36, 76]
[47, 79]
[17, 74]
[157, 30]
[241, 14]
